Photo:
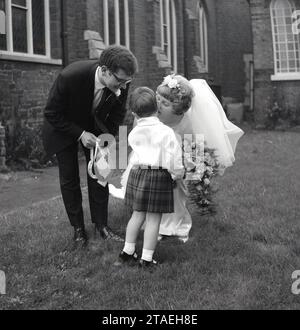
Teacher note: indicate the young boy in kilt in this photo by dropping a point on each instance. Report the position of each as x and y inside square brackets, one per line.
[156, 162]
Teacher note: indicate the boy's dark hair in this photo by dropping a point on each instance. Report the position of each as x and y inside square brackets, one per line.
[119, 57]
[143, 102]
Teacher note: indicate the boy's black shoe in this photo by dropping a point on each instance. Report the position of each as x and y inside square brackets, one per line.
[128, 259]
[151, 265]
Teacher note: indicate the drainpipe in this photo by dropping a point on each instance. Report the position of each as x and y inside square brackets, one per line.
[185, 40]
[64, 32]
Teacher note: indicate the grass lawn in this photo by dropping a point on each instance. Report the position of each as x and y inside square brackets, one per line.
[241, 258]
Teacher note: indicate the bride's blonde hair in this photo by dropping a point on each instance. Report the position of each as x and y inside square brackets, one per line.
[178, 91]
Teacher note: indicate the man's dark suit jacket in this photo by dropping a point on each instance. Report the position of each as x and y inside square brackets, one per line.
[69, 110]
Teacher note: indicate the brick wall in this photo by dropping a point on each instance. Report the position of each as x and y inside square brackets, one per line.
[55, 27]
[267, 92]
[77, 24]
[2, 148]
[24, 90]
[24, 86]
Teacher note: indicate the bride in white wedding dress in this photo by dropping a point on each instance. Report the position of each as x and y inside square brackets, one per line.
[190, 108]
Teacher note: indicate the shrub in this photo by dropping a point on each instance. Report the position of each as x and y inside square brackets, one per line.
[25, 147]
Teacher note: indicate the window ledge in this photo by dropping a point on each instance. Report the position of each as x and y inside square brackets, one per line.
[28, 58]
[285, 76]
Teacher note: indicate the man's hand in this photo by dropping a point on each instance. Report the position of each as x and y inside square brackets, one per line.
[88, 140]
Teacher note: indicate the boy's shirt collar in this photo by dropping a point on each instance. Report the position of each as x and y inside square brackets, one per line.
[148, 121]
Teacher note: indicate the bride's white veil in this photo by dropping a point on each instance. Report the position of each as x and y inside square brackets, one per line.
[207, 117]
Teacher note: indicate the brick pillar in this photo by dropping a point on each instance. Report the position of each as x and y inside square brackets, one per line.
[2, 148]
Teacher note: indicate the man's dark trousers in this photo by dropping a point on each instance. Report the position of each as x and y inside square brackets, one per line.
[71, 192]
[69, 112]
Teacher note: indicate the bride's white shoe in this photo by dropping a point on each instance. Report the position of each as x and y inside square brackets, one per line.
[116, 192]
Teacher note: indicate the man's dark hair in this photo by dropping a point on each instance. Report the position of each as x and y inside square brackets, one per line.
[119, 57]
[142, 102]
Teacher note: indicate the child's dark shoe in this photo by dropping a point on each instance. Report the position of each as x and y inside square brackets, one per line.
[127, 259]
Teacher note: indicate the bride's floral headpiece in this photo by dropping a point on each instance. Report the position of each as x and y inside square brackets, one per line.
[178, 91]
[171, 82]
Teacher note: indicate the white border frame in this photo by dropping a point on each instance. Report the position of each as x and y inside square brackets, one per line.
[280, 76]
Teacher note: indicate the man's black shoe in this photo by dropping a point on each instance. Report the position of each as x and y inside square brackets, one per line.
[80, 237]
[107, 234]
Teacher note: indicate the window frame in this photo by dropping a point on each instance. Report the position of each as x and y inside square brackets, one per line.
[29, 56]
[290, 75]
[201, 13]
[117, 22]
[171, 43]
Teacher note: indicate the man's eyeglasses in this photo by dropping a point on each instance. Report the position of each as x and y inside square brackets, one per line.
[120, 80]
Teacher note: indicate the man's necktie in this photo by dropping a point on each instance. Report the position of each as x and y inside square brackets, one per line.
[97, 98]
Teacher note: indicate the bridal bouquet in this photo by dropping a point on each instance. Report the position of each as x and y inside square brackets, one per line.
[201, 166]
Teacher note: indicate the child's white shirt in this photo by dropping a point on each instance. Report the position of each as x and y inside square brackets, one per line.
[155, 144]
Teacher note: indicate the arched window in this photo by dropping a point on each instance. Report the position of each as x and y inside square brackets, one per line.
[202, 37]
[169, 31]
[286, 45]
[116, 22]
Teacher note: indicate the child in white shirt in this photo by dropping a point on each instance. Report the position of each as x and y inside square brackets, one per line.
[156, 162]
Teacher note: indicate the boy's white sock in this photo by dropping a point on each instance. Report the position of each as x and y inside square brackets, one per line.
[129, 248]
[147, 255]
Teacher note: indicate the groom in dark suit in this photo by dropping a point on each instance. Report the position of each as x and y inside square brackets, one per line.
[87, 99]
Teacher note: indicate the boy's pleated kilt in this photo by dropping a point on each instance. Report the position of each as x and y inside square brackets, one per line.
[150, 190]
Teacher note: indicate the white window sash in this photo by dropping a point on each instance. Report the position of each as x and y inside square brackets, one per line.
[285, 76]
[30, 50]
[291, 74]
[106, 21]
[117, 22]
[165, 24]
[174, 41]
[206, 41]
[47, 29]
[162, 25]
[29, 28]
[168, 30]
[203, 36]
[127, 29]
